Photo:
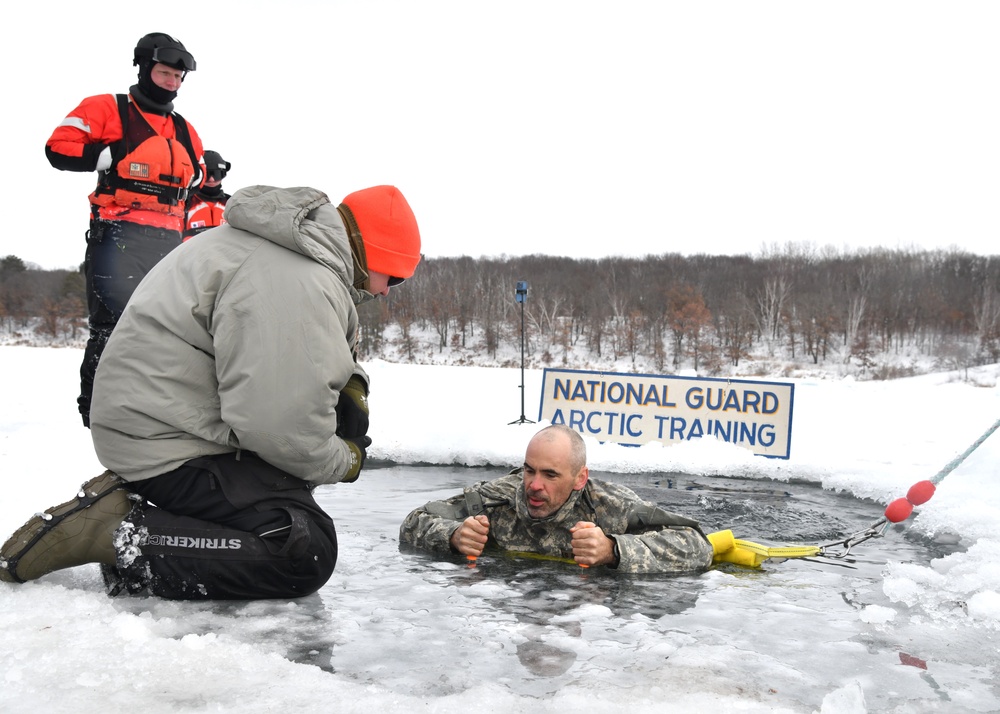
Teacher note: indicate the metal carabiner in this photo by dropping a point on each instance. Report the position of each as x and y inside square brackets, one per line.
[876, 530]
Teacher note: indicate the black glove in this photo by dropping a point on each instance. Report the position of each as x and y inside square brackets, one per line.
[358, 446]
[118, 150]
[352, 409]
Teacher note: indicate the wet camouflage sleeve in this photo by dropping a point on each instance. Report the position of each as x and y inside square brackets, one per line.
[670, 550]
[430, 526]
[647, 542]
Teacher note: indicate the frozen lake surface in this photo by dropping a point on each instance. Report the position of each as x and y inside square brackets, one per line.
[795, 635]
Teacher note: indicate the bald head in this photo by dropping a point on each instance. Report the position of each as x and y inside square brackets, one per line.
[555, 465]
[562, 435]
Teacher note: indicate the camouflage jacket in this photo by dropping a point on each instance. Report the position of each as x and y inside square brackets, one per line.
[649, 539]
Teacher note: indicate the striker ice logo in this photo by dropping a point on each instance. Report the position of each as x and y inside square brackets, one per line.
[138, 170]
[189, 542]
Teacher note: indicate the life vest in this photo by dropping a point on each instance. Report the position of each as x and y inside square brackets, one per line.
[155, 173]
[204, 212]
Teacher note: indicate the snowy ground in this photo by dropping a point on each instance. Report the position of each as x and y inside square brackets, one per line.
[913, 628]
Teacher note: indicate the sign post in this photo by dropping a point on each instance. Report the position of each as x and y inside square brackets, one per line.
[521, 295]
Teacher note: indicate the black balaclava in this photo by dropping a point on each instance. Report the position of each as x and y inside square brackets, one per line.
[149, 89]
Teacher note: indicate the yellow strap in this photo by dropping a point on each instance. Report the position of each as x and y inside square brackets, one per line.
[537, 556]
[728, 549]
[779, 551]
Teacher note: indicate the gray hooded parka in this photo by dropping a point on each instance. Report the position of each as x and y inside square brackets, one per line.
[239, 339]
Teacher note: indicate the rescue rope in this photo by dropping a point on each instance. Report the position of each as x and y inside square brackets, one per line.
[953, 464]
[728, 549]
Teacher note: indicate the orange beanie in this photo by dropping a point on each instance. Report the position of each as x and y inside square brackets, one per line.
[388, 229]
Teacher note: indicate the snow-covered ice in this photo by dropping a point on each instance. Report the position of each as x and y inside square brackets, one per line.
[913, 627]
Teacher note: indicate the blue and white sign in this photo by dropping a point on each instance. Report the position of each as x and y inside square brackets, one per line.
[635, 409]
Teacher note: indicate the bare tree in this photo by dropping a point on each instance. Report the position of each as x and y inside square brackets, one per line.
[770, 304]
[688, 317]
[986, 313]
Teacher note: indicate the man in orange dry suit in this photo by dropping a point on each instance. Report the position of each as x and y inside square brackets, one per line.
[206, 204]
[148, 158]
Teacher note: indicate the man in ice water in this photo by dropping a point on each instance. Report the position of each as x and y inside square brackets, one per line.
[229, 389]
[551, 506]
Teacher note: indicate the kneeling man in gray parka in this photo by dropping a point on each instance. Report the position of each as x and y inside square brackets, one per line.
[228, 391]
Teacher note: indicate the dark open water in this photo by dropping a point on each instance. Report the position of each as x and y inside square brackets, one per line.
[785, 635]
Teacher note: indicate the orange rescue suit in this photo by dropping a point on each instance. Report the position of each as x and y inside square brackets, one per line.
[204, 212]
[152, 170]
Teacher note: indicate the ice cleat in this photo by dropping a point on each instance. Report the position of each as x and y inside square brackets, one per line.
[74, 533]
[115, 582]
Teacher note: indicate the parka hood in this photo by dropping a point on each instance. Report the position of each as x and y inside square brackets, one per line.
[301, 219]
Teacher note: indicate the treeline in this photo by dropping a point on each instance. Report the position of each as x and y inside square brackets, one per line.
[55, 300]
[665, 311]
[707, 312]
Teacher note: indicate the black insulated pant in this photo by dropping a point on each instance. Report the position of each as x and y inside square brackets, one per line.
[223, 528]
[119, 254]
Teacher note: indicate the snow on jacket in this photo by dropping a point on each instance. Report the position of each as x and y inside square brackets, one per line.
[240, 341]
[650, 539]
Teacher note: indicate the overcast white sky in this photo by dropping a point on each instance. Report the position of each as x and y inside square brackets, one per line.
[556, 127]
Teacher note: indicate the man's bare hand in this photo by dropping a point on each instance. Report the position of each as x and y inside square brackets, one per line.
[470, 537]
[591, 546]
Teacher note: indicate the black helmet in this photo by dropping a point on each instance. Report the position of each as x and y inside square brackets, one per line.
[160, 47]
[215, 166]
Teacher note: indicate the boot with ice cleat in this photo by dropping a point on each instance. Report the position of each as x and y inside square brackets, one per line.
[74, 533]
